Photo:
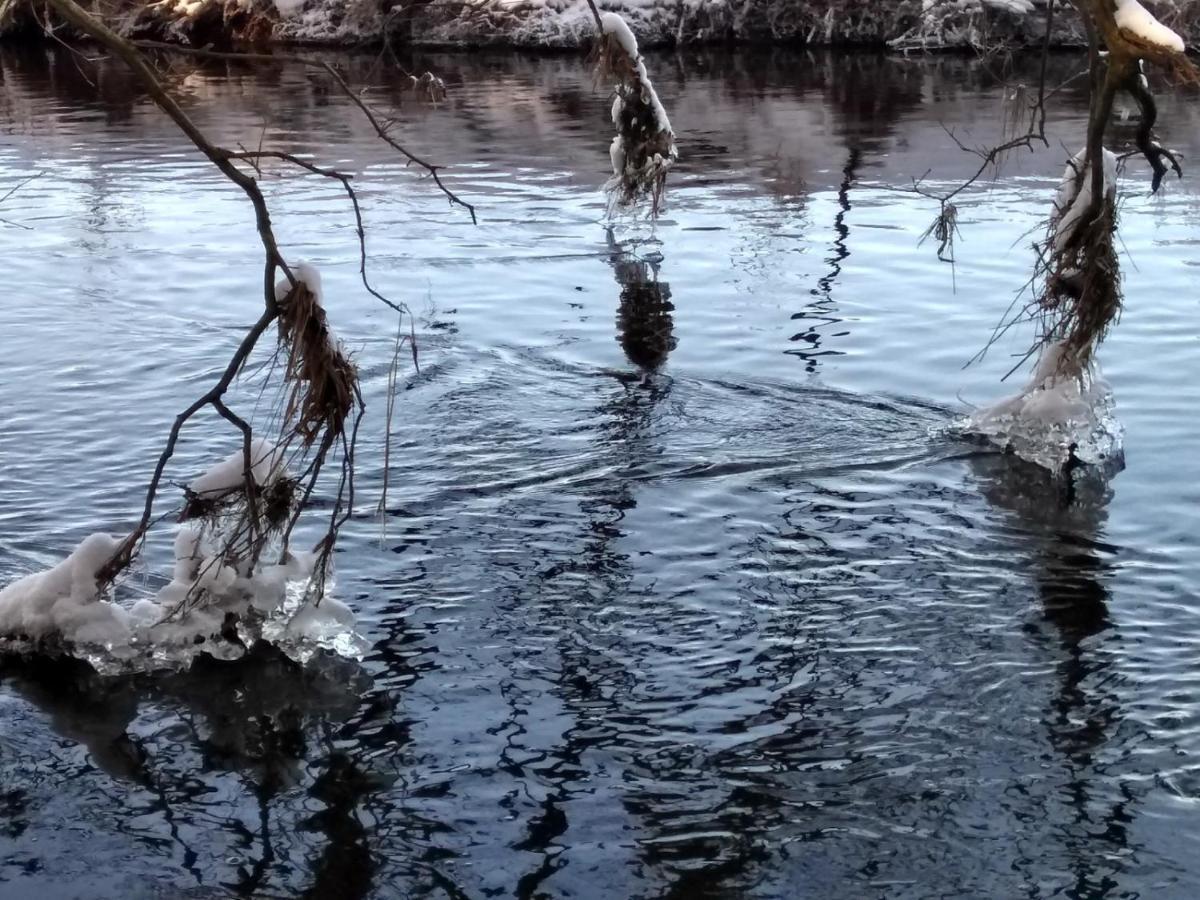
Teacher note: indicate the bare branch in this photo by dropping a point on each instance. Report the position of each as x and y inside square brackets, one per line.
[381, 127]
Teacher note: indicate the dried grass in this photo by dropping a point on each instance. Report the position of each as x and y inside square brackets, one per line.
[1081, 296]
[319, 376]
[944, 229]
[647, 149]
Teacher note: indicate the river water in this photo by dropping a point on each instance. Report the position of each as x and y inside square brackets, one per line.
[682, 588]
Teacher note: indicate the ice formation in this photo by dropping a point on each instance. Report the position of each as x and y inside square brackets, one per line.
[1074, 195]
[214, 602]
[1140, 24]
[1062, 413]
[1065, 412]
[207, 595]
[208, 605]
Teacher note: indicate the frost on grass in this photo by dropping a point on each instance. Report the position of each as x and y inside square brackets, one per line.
[566, 24]
[643, 150]
[957, 23]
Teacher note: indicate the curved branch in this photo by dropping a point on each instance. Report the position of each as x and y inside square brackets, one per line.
[255, 156]
[125, 552]
[1154, 152]
[129, 54]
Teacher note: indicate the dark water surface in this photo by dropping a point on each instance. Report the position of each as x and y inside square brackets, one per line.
[681, 590]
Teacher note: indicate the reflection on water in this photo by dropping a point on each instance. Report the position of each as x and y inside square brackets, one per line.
[645, 328]
[1070, 565]
[185, 745]
[681, 594]
[821, 313]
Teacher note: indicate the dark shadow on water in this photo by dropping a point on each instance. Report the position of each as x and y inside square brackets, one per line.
[645, 327]
[1064, 517]
[265, 719]
[820, 313]
[584, 678]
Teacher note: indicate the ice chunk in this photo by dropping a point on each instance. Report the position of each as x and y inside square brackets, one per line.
[1063, 412]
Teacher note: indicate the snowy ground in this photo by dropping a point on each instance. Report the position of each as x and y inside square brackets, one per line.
[908, 25]
[568, 23]
[905, 24]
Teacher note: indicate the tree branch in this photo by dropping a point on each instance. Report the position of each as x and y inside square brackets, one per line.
[381, 128]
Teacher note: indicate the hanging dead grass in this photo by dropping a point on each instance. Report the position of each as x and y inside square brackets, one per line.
[320, 378]
[944, 229]
[643, 150]
[1081, 297]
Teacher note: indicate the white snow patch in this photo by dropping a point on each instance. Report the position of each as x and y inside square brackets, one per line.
[616, 153]
[308, 275]
[614, 25]
[188, 614]
[266, 465]
[64, 600]
[1136, 19]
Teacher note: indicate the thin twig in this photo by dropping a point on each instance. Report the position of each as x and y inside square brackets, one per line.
[381, 128]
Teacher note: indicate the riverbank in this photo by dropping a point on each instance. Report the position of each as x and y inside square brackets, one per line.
[907, 25]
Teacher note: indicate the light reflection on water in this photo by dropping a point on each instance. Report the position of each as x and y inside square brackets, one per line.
[678, 593]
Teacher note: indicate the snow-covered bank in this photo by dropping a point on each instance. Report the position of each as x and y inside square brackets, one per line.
[909, 25]
[561, 24]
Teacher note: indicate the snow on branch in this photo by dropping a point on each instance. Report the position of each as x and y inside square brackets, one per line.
[643, 150]
[234, 558]
[1139, 26]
